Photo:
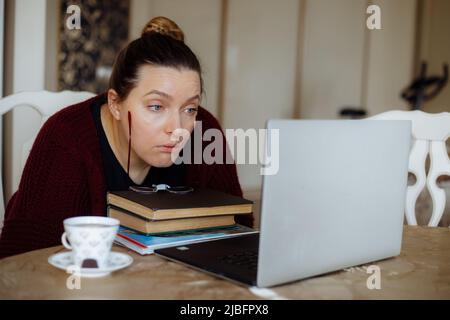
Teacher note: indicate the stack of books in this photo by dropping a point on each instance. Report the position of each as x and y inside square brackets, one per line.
[146, 244]
[166, 219]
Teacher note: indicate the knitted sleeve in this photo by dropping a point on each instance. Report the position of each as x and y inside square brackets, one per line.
[52, 188]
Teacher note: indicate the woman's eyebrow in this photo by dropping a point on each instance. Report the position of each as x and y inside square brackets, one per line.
[168, 96]
[197, 96]
[165, 95]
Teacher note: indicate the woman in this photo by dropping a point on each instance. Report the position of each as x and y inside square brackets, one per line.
[117, 139]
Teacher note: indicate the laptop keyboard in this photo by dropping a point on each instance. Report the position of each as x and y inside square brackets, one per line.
[246, 259]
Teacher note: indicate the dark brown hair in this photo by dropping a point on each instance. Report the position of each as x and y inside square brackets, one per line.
[161, 44]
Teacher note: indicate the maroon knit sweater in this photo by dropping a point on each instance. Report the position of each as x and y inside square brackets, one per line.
[63, 177]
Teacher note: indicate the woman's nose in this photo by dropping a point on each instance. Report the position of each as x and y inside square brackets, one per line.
[173, 122]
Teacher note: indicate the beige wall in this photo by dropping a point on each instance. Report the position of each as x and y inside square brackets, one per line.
[52, 44]
[260, 73]
[2, 20]
[390, 56]
[346, 64]
[332, 57]
[434, 47]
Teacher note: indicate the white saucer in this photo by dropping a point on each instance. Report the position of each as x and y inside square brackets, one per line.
[116, 261]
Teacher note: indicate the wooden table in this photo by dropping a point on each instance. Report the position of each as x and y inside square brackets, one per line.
[422, 271]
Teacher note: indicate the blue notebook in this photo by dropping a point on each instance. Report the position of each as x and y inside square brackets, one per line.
[146, 244]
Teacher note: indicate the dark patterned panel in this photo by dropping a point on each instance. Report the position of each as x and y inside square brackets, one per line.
[86, 55]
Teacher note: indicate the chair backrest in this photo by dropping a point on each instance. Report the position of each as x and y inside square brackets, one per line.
[430, 132]
[46, 103]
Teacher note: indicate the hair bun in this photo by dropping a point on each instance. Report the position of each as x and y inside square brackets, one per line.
[163, 26]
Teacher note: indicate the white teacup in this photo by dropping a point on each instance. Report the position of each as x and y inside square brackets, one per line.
[90, 239]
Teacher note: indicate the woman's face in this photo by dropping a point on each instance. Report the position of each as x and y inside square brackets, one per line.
[164, 100]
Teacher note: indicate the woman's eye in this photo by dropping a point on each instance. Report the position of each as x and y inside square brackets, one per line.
[155, 107]
[191, 110]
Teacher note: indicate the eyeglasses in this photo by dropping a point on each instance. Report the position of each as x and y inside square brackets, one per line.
[162, 187]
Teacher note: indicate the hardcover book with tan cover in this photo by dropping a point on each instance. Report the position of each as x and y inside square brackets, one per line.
[132, 221]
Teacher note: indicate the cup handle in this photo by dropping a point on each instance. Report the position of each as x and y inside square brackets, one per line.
[64, 241]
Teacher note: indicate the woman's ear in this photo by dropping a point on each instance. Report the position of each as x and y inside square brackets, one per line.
[113, 103]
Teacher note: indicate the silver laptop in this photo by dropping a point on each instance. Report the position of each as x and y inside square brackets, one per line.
[336, 201]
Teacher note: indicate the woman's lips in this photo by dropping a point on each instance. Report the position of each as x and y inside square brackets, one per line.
[168, 148]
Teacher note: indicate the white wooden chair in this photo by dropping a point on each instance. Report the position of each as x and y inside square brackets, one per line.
[430, 132]
[46, 103]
